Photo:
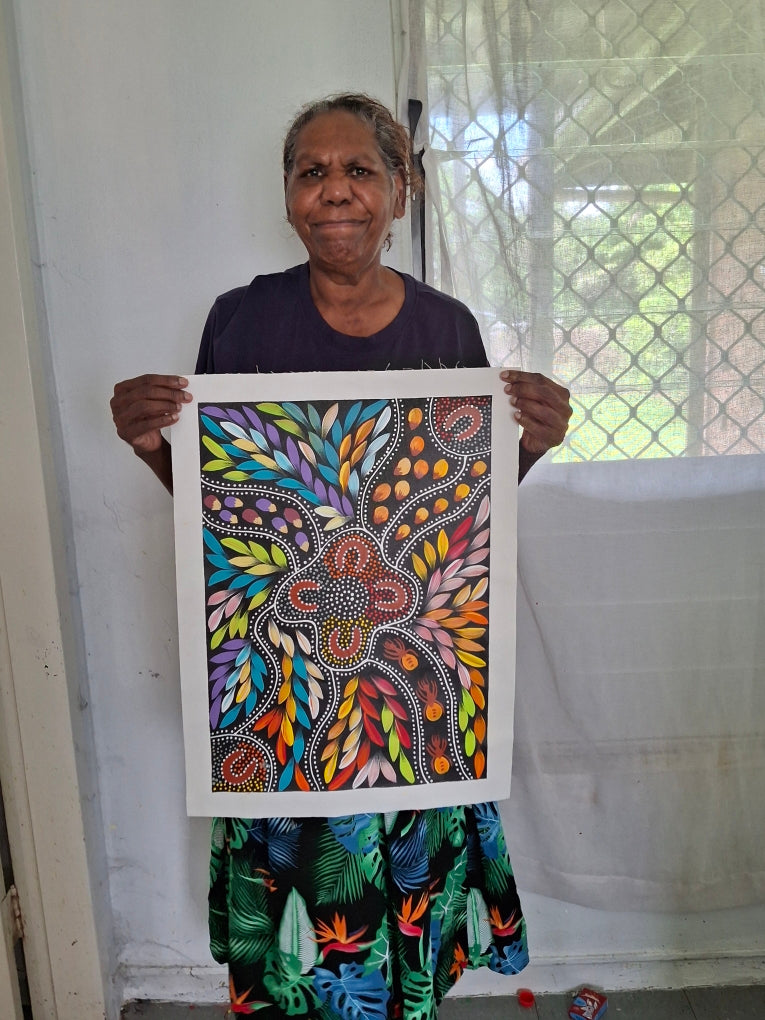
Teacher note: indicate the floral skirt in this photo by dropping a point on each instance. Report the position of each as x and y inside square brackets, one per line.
[366, 916]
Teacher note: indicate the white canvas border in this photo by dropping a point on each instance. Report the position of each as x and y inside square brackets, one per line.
[216, 389]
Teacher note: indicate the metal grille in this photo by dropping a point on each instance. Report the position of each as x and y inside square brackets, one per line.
[600, 203]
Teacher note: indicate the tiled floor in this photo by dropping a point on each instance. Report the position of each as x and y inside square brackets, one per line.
[687, 1004]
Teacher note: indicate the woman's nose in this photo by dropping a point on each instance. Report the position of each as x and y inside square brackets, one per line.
[337, 189]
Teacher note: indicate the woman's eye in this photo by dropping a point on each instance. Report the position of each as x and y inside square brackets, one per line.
[358, 171]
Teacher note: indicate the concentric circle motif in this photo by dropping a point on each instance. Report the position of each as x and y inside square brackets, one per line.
[347, 594]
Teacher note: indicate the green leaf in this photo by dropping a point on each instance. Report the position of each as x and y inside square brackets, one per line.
[259, 598]
[217, 465]
[289, 426]
[467, 703]
[237, 476]
[214, 448]
[259, 552]
[218, 636]
[394, 745]
[235, 545]
[462, 719]
[386, 718]
[278, 557]
[470, 743]
[275, 410]
[405, 768]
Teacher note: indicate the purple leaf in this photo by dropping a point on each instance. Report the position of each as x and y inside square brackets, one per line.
[253, 418]
[334, 500]
[236, 416]
[215, 713]
[273, 434]
[347, 506]
[320, 489]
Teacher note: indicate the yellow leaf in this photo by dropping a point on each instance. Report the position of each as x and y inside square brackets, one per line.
[286, 666]
[443, 544]
[462, 596]
[336, 730]
[350, 741]
[363, 430]
[430, 554]
[246, 445]
[350, 687]
[243, 691]
[470, 660]
[290, 708]
[329, 768]
[288, 734]
[358, 453]
[471, 632]
[419, 567]
[344, 448]
[344, 474]
[345, 708]
[242, 561]
[284, 693]
[468, 646]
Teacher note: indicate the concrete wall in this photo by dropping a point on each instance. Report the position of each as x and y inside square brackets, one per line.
[154, 129]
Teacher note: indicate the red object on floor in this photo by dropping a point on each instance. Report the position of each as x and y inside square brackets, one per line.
[588, 1005]
[525, 998]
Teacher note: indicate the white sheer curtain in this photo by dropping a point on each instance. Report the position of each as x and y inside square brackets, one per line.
[596, 181]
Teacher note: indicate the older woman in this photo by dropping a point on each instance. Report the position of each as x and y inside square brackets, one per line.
[390, 901]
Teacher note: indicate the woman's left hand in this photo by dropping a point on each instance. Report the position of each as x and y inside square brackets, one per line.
[542, 409]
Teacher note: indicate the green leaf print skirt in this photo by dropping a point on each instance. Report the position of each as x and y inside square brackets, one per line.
[366, 916]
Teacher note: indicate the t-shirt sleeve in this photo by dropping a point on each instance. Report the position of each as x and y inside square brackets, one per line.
[220, 316]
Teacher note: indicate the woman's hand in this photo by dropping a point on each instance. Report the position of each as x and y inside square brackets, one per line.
[143, 406]
[542, 409]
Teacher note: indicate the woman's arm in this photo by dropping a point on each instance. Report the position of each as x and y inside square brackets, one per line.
[542, 409]
[143, 406]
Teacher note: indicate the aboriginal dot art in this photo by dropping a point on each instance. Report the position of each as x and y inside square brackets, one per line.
[346, 552]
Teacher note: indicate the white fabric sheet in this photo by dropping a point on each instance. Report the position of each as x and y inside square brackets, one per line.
[639, 768]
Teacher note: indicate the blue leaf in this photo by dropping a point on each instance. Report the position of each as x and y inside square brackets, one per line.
[211, 427]
[330, 475]
[295, 413]
[351, 416]
[331, 455]
[211, 541]
[230, 717]
[371, 410]
[286, 777]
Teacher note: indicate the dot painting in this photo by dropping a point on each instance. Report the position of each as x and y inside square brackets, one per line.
[346, 571]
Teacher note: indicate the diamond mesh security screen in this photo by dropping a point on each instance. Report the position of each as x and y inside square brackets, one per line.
[597, 175]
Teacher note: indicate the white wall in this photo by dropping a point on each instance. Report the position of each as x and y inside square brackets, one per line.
[154, 130]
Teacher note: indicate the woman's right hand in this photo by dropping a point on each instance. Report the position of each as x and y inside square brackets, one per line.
[143, 406]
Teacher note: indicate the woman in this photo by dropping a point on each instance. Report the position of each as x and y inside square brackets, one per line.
[391, 901]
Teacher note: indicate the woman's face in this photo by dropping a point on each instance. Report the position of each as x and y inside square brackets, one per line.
[341, 199]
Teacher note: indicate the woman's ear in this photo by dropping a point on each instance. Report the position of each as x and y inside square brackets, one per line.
[286, 203]
[400, 185]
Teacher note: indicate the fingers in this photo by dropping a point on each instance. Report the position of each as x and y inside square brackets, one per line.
[542, 408]
[144, 405]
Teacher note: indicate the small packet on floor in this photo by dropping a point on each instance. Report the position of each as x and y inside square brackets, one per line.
[588, 1005]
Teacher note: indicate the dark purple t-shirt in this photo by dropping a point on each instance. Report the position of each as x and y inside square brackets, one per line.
[273, 326]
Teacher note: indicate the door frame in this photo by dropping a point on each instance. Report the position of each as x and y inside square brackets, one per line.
[38, 768]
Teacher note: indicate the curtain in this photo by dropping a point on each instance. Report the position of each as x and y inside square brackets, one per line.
[596, 194]
[597, 178]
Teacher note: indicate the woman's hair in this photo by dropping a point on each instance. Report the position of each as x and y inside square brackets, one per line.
[392, 138]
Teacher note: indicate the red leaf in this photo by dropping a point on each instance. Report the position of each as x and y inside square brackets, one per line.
[372, 733]
[461, 529]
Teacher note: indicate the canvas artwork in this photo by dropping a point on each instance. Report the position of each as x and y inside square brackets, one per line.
[345, 547]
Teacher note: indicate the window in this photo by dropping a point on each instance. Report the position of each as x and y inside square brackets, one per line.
[598, 172]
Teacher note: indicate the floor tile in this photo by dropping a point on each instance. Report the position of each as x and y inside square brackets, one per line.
[658, 1005]
[728, 1003]
[172, 1011]
[485, 1007]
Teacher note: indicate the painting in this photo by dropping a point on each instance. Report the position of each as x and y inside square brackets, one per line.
[345, 550]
